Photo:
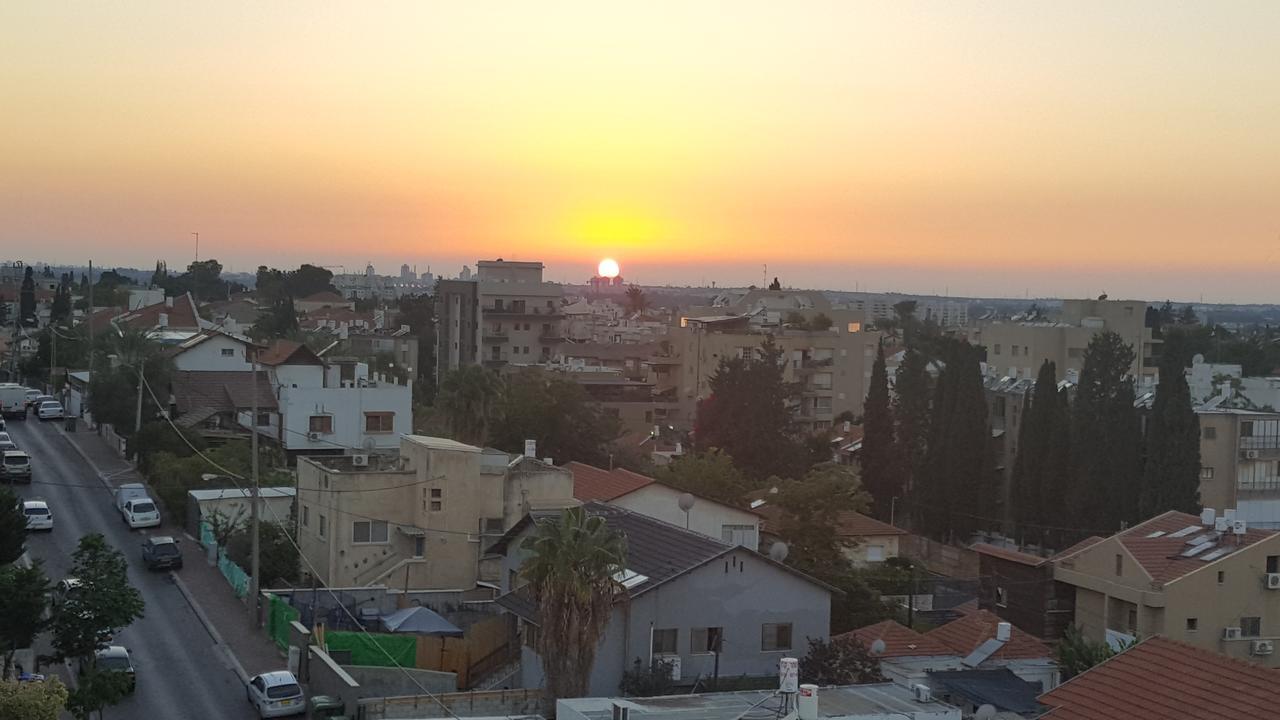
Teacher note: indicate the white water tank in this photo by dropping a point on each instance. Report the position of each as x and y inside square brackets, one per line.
[1003, 631]
[1207, 517]
[531, 448]
[789, 675]
[807, 702]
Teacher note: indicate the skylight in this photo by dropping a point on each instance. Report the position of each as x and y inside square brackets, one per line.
[1185, 531]
[629, 578]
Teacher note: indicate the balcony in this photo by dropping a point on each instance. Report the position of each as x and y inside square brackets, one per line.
[554, 336]
[495, 336]
[542, 312]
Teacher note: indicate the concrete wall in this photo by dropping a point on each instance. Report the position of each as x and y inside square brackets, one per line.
[207, 356]
[485, 703]
[303, 376]
[860, 553]
[389, 681]
[707, 517]
[329, 678]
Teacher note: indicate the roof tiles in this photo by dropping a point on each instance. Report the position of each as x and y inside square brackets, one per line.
[964, 634]
[593, 483]
[1161, 556]
[899, 640]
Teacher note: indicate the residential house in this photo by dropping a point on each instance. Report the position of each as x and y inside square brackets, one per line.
[398, 346]
[643, 494]
[218, 403]
[1208, 581]
[322, 300]
[874, 701]
[1020, 588]
[520, 317]
[457, 309]
[275, 504]
[1226, 383]
[1240, 464]
[422, 519]
[867, 541]
[339, 320]
[707, 606]
[1162, 678]
[169, 322]
[234, 316]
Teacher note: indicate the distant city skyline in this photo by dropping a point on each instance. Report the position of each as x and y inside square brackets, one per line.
[993, 147]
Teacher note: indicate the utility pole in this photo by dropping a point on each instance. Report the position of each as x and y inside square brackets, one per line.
[197, 245]
[89, 322]
[253, 498]
[137, 420]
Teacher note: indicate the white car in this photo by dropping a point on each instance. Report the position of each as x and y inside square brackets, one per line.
[140, 513]
[38, 515]
[49, 410]
[6, 442]
[276, 694]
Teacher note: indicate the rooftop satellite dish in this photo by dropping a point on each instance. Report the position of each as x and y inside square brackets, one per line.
[1197, 359]
[984, 712]
[778, 551]
[686, 502]
[877, 647]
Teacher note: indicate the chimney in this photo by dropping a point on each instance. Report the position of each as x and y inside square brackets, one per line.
[1003, 631]
[164, 320]
[168, 302]
[531, 448]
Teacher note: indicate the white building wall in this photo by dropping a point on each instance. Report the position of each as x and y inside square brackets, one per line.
[706, 516]
[300, 376]
[208, 357]
[347, 406]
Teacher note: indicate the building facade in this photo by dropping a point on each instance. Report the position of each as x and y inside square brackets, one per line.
[1240, 464]
[457, 305]
[520, 316]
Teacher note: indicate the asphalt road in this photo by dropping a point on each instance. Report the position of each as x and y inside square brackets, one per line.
[181, 674]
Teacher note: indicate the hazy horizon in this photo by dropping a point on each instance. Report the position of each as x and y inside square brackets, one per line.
[972, 149]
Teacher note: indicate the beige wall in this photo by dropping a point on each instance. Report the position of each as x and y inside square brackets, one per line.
[706, 516]
[1219, 449]
[859, 553]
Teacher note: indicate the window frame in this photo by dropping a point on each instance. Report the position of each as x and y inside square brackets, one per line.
[777, 644]
[383, 428]
[1254, 620]
[370, 538]
[661, 646]
[326, 428]
[707, 634]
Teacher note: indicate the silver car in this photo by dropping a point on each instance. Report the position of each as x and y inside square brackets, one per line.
[276, 694]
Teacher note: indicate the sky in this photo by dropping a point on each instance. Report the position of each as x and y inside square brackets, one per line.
[965, 148]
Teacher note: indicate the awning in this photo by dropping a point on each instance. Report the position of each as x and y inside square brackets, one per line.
[411, 531]
[420, 620]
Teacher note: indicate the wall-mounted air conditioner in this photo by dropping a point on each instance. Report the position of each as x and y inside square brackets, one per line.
[1230, 633]
[360, 460]
[313, 436]
[1262, 647]
[1273, 581]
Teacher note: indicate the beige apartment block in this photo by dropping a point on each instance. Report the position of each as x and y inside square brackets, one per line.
[1240, 464]
[1182, 577]
[421, 520]
[1017, 349]
[520, 315]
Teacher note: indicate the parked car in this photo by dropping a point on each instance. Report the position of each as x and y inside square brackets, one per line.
[161, 553]
[39, 517]
[15, 466]
[13, 401]
[276, 694]
[49, 410]
[30, 396]
[64, 591]
[115, 658]
[6, 442]
[2, 425]
[140, 513]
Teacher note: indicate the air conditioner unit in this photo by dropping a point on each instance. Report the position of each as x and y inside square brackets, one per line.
[923, 693]
[359, 460]
[1273, 581]
[1251, 454]
[1230, 633]
[312, 436]
[1262, 647]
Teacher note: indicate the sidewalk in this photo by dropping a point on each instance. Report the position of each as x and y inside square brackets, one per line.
[217, 604]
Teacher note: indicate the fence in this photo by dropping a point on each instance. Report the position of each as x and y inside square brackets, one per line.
[235, 575]
[279, 615]
[492, 703]
[357, 648]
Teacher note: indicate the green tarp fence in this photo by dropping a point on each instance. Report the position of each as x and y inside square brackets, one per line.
[402, 648]
[238, 578]
[206, 535]
[279, 615]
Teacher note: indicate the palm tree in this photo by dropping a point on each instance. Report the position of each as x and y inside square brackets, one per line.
[636, 300]
[571, 573]
[467, 398]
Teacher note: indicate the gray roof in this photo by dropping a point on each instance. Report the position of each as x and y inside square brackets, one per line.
[875, 700]
[999, 688]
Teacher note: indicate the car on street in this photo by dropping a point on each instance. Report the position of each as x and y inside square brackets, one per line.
[140, 513]
[161, 552]
[32, 395]
[66, 589]
[13, 401]
[276, 694]
[115, 658]
[6, 442]
[2, 424]
[49, 410]
[15, 466]
[39, 517]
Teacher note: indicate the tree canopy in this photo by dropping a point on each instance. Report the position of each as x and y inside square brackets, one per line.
[1106, 436]
[13, 527]
[23, 597]
[106, 602]
[1171, 478]
[880, 473]
[32, 700]
[557, 413]
[710, 474]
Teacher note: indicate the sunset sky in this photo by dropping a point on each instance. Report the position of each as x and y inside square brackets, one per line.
[990, 147]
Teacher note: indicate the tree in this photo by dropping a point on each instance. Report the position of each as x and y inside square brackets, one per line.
[570, 570]
[309, 280]
[203, 279]
[418, 312]
[879, 471]
[23, 596]
[105, 603]
[1030, 467]
[27, 299]
[775, 285]
[1077, 654]
[32, 700]
[468, 397]
[842, 660]
[749, 416]
[224, 526]
[1187, 316]
[60, 310]
[277, 321]
[709, 474]
[161, 274]
[113, 390]
[277, 557]
[1171, 478]
[1106, 436]
[637, 303]
[912, 389]
[555, 412]
[13, 527]
[97, 689]
[956, 488]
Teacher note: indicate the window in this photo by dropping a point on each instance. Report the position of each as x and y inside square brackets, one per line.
[1133, 622]
[320, 424]
[419, 546]
[666, 641]
[737, 534]
[306, 516]
[775, 636]
[1250, 626]
[264, 419]
[1206, 473]
[854, 327]
[1119, 564]
[437, 500]
[1193, 624]
[875, 553]
[379, 422]
[706, 640]
[369, 531]
[228, 352]
[322, 526]
[1246, 428]
[997, 348]
[1209, 433]
[1273, 563]
[491, 526]
[1013, 350]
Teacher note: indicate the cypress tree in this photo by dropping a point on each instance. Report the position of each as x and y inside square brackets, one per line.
[956, 485]
[911, 414]
[27, 299]
[1171, 479]
[1031, 466]
[1057, 474]
[876, 458]
[1106, 437]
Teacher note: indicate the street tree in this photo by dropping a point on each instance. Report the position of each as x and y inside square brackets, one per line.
[710, 474]
[32, 700]
[468, 398]
[23, 597]
[277, 557]
[749, 415]
[27, 299]
[955, 489]
[571, 572]
[224, 526]
[1171, 478]
[13, 527]
[106, 602]
[913, 393]
[555, 412]
[839, 661]
[1106, 436]
[96, 689]
[880, 473]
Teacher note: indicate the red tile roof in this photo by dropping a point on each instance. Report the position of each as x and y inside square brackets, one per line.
[181, 315]
[849, 524]
[964, 634]
[899, 640]
[1011, 555]
[1159, 679]
[1161, 557]
[592, 483]
[1082, 545]
[283, 352]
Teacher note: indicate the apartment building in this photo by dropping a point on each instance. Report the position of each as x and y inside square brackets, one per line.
[1017, 349]
[520, 318]
[399, 345]
[457, 305]
[419, 520]
[1240, 464]
[1208, 581]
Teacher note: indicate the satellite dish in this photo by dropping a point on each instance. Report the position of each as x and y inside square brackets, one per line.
[369, 445]
[686, 502]
[778, 551]
[877, 647]
[984, 712]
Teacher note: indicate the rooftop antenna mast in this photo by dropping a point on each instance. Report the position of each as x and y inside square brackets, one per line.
[197, 235]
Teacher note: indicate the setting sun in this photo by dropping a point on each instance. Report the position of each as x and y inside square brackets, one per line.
[608, 268]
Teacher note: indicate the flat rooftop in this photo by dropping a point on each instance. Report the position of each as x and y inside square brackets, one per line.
[846, 701]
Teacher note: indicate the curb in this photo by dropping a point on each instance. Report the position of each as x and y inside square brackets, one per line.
[208, 626]
[96, 470]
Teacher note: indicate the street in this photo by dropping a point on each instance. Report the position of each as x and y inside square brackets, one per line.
[180, 673]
